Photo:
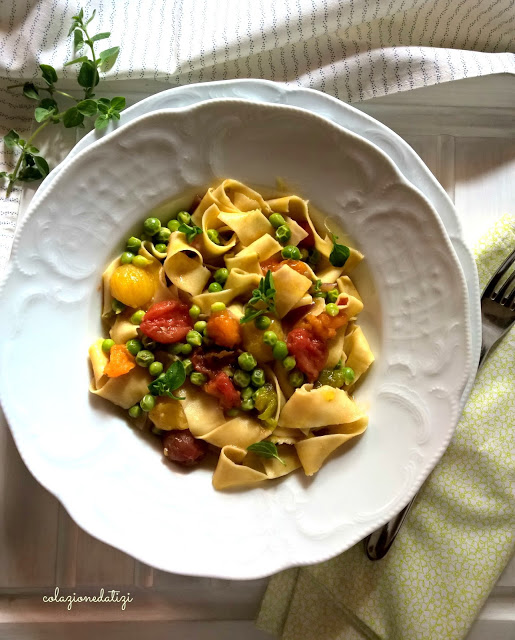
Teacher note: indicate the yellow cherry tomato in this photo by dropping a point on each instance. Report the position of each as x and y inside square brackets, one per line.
[132, 285]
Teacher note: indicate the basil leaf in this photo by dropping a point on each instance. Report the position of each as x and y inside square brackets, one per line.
[41, 114]
[76, 60]
[87, 107]
[174, 378]
[30, 91]
[340, 253]
[49, 73]
[101, 36]
[266, 450]
[72, 118]
[42, 165]
[108, 54]
[78, 38]
[118, 103]
[88, 75]
[11, 139]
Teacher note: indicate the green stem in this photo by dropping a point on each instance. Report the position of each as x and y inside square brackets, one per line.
[89, 90]
[14, 176]
[66, 95]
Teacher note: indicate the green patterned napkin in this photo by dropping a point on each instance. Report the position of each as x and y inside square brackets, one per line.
[456, 541]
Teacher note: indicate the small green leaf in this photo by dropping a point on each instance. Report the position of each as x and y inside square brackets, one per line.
[76, 60]
[100, 36]
[73, 27]
[88, 75]
[118, 103]
[266, 450]
[72, 118]
[174, 378]
[49, 103]
[108, 54]
[42, 165]
[78, 38]
[103, 108]
[49, 73]
[11, 139]
[101, 122]
[92, 16]
[30, 91]
[340, 253]
[29, 174]
[41, 114]
[87, 107]
[115, 114]
[32, 149]
[3, 174]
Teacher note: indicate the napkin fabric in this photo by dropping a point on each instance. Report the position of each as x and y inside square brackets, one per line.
[455, 542]
[352, 49]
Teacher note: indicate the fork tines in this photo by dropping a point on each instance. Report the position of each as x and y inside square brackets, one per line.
[505, 295]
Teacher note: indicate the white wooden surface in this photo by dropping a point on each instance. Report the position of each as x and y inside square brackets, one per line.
[465, 132]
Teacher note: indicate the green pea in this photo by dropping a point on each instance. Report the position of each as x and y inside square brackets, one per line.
[161, 248]
[215, 287]
[155, 369]
[163, 235]
[107, 344]
[247, 393]
[194, 338]
[280, 350]
[348, 375]
[247, 361]
[173, 225]
[241, 378]
[296, 379]
[276, 220]
[221, 275]
[262, 322]
[232, 413]
[188, 366]
[176, 348]
[148, 402]
[134, 346]
[200, 326]
[145, 358]
[133, 244]
[186, 349]
[257, 378]
[148, 343]
[135, 411]
[289, 363]
[247, 405]
[217, 306]
[194, 311]
[214, 236]
[198, 379]
[117, 306]
[140, 261]
[333, 295]
[184, 217]
[332, 309]
[270, 338]
[291, 252]
[137, 316]
[126, 257]
[283, 233]
[151, 226]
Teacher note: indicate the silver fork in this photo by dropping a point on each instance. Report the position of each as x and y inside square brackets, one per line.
[497, 316]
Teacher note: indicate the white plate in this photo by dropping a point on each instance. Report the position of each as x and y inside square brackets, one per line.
[404, 157]
[110, 479]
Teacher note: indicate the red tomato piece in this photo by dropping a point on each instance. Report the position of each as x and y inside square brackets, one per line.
[181, 447]
[309, 240]
[222, 388]
[309, 351]
[167, 322]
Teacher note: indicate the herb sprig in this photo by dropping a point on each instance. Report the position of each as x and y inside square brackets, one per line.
[266, 450]
[263, 295]
[174, 378]
[339, 254]
[190, 231]
[32, 166]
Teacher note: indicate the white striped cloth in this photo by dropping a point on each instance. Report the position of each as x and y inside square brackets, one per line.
[352, 49]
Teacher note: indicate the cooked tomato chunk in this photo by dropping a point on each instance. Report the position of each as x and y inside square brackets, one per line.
[167, 322]
[224, 329]
[222, 388]
[309, 351]
[183, 448]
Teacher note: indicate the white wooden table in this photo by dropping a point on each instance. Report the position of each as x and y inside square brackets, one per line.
[465, 133]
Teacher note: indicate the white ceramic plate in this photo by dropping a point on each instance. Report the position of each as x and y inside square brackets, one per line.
[403, 156]
[111, 480]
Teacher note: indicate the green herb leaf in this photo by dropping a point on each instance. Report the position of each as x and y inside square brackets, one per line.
[101, 36]
[49, 104]
[76, 61]
[266, 450]
[78, 38]
[3, 174]
[49, 73]
[101, 122]
[32, 150]
[29, 174]
[41, 114]
[87, 107]
[190, 231]
[42, 165]
[264, 295]
[30, 91]
[174, 378]
[72, 118]
[108, 54]
[91, 18]
[118, 103]
[340, 253]
[11, 139]
[88, 75]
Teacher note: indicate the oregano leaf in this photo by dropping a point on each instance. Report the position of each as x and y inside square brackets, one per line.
[30, 91]
[266, 449]
[49, 73]
[11, 139]
[108, 54]
[42, 165]
[41, 114]
[100, 36]
[72, 118]
[101, 122]
[49, 103]
[76, 60]
[78, 38]
[118, 103]
[87, 107]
